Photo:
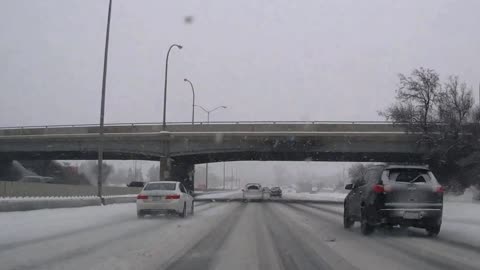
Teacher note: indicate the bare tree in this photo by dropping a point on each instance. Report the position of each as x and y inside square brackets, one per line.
[356, 172]
[455, 104]
[404, 113]
[475, 115]
[153, 173]
[90, 170]
[420, 89]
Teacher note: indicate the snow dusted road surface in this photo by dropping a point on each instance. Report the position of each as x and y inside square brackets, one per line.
[233, 235]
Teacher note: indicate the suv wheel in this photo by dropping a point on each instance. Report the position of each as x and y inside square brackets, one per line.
[347, 220]
[365, 227]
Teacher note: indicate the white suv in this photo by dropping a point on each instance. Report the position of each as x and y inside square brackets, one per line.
[253, 192]
[164, 197]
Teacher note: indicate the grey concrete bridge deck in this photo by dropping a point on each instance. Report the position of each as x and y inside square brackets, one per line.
[218, 141]
[187, 144]
[242, 126]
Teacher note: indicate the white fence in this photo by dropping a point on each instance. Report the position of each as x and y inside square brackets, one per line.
[21, 189]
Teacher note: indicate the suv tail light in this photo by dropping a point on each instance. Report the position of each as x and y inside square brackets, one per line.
[142, 197]
[378, 189]
[172, 197]
[439, 189]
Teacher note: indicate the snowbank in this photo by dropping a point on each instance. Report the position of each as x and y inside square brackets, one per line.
[35, 203]
[23, 189]
[234, 194]
[467, 196]
[320, 196]
[25, 226]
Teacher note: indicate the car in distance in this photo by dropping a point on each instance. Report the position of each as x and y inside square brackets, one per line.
[395, 195]
[252, 192]
[165, 197]
[276, 192]
[37, 179]
[266, 192]
[136, 184]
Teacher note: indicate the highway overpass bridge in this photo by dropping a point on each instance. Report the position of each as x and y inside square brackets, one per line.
[187, 144]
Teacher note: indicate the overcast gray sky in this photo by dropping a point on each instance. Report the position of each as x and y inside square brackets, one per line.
[264, 59]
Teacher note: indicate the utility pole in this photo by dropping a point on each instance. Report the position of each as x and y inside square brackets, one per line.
[135, 168]
[224, 175]
[238, 179]
[208, 121]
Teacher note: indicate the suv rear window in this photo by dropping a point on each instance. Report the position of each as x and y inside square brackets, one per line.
[160, 186]
[410, 176]
[253, 187]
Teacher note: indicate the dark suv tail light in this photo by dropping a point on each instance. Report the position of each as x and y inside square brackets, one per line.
[378, 189]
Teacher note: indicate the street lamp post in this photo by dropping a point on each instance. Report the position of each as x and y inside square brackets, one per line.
[210, 111]
[164, 124]
[102, 106]
[193, 99]
[165, 88]
[208, 121]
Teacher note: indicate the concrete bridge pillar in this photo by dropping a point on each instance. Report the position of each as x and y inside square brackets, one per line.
[6, 170]
[171, 170]
[164, 168]
[183, 172]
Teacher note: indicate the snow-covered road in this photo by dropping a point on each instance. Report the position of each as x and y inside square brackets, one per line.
[230, 235]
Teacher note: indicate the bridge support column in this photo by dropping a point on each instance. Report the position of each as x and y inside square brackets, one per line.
[183, 172]
[6, 171]
[165, 167]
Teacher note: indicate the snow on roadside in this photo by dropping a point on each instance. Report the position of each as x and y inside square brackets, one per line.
[221, 195]
[63, 197]
[461, 211]
[23, 226]
[321, 196]
[467, 196]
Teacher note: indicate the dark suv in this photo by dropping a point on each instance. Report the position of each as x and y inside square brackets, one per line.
[395, 195]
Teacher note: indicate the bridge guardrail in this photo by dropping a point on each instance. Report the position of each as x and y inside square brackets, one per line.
[208, 123]
[219, 126]
[23, 189]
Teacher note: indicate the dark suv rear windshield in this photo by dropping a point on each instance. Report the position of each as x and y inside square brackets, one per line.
[160, 186]
[410, 175]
